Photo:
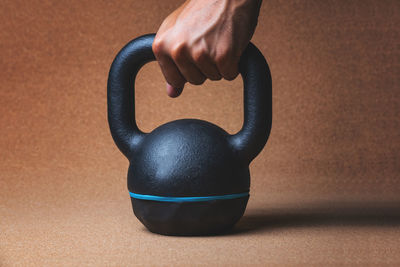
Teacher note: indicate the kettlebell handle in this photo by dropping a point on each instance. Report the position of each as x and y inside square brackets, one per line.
[247, 143]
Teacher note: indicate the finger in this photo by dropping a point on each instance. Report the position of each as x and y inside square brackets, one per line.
[187, 68]
[206, 66]
[228, 67]
[172, 91]
[171, 72]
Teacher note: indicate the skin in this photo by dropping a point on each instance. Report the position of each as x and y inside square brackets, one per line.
[203, 39]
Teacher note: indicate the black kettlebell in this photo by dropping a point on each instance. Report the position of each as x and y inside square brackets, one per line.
[189, 176]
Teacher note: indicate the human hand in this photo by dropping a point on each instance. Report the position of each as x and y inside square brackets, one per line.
[203, 39]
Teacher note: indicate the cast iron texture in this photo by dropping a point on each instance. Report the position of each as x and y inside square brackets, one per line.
[189, 157]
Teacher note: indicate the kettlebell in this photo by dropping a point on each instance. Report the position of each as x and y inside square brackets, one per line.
[189, 176]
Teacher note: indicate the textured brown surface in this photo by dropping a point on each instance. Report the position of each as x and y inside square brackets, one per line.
[334, 144]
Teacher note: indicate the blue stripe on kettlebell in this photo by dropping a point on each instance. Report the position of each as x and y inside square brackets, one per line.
[187, 199]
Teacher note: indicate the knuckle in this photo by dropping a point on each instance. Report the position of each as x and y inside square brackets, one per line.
[227, 56]
[199, 55]
[220, 59]
[177, 51]
[157, 46]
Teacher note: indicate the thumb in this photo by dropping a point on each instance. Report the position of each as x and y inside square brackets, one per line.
[172, 91]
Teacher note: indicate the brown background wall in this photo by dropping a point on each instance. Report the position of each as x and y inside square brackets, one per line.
[336, 125]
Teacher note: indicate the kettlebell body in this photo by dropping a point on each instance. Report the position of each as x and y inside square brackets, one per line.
[188, 177]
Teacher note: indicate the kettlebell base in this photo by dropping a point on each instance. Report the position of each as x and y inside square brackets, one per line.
[189, 218]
